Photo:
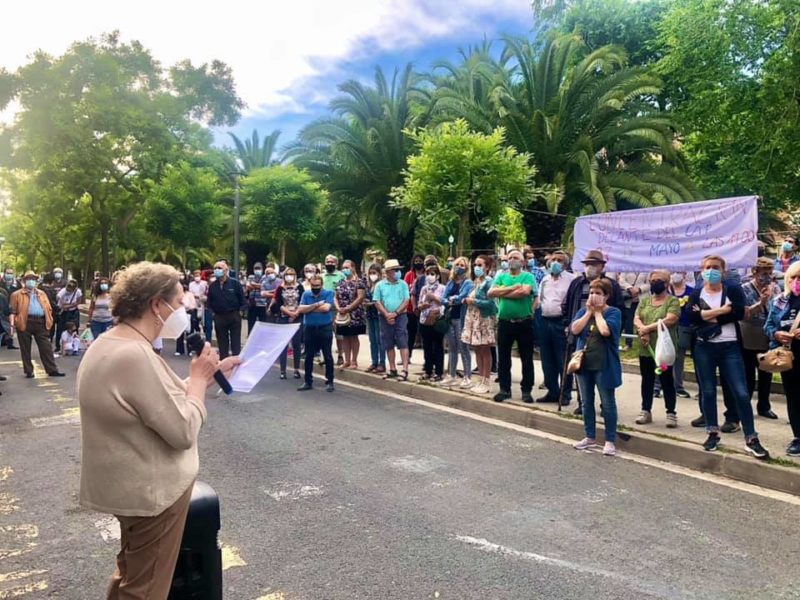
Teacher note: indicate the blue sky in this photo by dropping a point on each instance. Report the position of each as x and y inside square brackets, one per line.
[287, 57]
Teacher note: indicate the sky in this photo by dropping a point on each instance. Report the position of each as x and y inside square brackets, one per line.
[287, 56]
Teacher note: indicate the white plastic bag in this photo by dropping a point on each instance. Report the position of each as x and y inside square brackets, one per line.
[665, 349]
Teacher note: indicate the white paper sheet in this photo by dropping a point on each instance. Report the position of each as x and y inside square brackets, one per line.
[263, 347]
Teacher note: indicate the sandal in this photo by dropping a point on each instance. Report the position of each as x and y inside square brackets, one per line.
[403, 377]
[371, 369]
[380, 369]
[390, 375]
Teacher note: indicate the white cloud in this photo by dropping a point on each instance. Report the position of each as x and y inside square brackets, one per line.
[271, 45]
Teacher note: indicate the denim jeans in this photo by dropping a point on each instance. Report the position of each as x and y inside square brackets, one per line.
[552, 338]
[208, 324]
[99, 327]
[587, 381]
[376, 350]
[297, 347]
[456, 348]
[727, 356]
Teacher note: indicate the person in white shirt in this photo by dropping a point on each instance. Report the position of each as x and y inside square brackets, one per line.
[552, 324]
[199, 289]
[69, 340]
[68, 299]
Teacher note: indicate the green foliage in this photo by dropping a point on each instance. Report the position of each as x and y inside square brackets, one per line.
[359, 155]
[183, 208]
[284, 204]
[98, 126]
[252, 154]
[734, 64]
[460, 180]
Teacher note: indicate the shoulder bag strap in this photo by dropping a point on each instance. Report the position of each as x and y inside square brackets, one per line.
[795, 324]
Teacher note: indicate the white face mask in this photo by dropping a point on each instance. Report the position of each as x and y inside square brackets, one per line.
[289, 278]
[591, 271]
[677, 278]
[431, 279]
[373, 277]
[175, 325]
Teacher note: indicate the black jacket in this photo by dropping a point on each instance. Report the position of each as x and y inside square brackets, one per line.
[226, 296]
[731, 291]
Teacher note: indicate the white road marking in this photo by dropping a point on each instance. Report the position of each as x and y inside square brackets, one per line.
[643, 460]
[109, 529]
[68, 416]
[417, 464]
[492, 548]
[294, 491]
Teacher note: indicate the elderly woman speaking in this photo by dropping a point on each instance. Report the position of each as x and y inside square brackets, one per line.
[139, 428]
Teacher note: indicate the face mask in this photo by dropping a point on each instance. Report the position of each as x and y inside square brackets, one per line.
[392, 275]
[103, 287]
[70, 288]
[764, 279]
[218, 273]
[787, 246]
[175, 325]
[309, 274]
[198, 279]
[449, 264]
[431, 279]
[596, 299]
[8, 277]
[796, 287]
[556, 268]
[271, 277]
[677, 278]
[658, 287]
[478, 271]
[316, 290]
[373, 277]
[30, 284]
[504, 265]
[762, 251]
[289, 278]
[515, 265]
[712, 275]
[258, 272]
[460, 271]
[57, 275]
[417, 266]
[591, 271]
[347, 272]
[531, 263]
[330, 268]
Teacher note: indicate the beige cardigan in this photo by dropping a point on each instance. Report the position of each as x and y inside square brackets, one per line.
[138, 429]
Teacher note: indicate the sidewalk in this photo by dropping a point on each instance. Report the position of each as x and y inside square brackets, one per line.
[775, 435]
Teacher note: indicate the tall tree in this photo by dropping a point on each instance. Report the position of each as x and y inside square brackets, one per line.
[253, 154]
[359, 155]
[463, 181]
[104, 119]
[284, 204]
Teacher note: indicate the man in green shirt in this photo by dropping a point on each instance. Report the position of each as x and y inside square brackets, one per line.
[330, 280]
[514, 291]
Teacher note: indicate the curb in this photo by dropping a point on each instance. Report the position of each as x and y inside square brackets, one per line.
[733, 465]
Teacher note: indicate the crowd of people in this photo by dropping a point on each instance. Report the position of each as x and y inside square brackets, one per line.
[481, 306]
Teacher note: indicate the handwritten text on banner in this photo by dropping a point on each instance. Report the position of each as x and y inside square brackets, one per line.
[674, 237]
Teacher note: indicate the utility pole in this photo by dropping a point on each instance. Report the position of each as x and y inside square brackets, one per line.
[236, 225]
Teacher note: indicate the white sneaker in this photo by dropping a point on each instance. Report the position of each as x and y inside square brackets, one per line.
[448, 381]
[56, 355]
[480, 388]
[585, 444]
[644, 417]
[609, 449]
[672, 420]
[466, 384]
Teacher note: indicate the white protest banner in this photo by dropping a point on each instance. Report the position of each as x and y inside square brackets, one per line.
[674, 237]
[264, 345]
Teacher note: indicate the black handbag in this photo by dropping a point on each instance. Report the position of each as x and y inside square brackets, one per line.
[442, 324]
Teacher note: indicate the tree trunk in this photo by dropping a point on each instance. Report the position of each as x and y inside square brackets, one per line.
[463, 232]
[543, 230]
[283, 251]
[400, 246]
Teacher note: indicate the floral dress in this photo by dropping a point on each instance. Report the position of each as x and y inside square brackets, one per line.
[346, 294]
[480, 328]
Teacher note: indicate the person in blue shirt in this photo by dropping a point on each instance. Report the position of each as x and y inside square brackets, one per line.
[316, 306]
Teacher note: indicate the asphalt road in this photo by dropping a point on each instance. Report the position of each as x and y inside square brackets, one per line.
[356, 495]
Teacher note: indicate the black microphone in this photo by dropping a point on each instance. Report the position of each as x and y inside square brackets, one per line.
[196, 343]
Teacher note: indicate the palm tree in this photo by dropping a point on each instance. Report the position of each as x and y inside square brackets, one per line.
[360, 153]
[253, 154]
[597, 140]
